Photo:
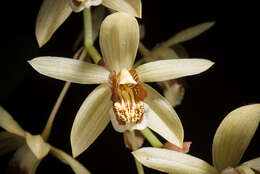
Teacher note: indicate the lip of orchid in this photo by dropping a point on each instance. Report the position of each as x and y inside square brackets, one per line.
[127, 96]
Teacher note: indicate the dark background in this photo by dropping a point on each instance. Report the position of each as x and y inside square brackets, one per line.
[232, 82]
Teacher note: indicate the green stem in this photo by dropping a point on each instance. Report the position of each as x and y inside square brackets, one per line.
[47, 129]
[139, 166]
[153, 140]
[88, 40]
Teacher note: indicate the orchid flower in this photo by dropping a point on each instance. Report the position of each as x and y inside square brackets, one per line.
[31, 149]
[122, 96]
[173, 90]
[54, 12]
[230, 142]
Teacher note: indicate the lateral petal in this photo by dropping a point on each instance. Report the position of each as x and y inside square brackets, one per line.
[70, 70]
[238, 127]
[172, 162]
[119, 38]
[91, 119]
[162, 118]
[172, 69]
[50, 17]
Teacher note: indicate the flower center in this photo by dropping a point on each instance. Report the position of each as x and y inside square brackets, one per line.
[127, 96]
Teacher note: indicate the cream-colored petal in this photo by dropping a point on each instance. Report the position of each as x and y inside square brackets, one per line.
[119, 38]
[254, 164]
[233, 135]
[9, 124]
[23, 161]
[50, 17]
[162, 118]
[70, 70]
[172, 69]
[37, 145]
[172, 162]
[67, 159]
[163, 53]
[188, 34]
[244, 170]
[133, 7]
[9, 142]
[91, 119]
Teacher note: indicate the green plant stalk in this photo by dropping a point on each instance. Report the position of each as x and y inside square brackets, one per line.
[47, 129]
[88, 40]
[153, 140]
[139, 166]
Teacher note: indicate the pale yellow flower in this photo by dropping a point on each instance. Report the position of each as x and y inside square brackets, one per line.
[31, 149]
[230, 142]
[54, 12]
[122, 96]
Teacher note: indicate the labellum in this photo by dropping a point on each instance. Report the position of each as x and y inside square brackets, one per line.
[127, 96]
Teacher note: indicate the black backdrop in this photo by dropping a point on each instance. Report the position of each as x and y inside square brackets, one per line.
[232, 82]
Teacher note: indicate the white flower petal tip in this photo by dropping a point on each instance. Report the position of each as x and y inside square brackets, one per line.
[133, 7]
[238, 127]
[122, 128]
[9, 124]
[119, 39]
[172, 162]
[79, 5]
[51, 16]
[37, 145]
[91, 119]
[172, 69]
[70, 70]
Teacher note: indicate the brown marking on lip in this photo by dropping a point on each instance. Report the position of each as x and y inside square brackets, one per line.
[140, 89]
[76, 3]
[127, 99]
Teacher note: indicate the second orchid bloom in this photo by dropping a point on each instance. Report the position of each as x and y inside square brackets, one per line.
[122, 97]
